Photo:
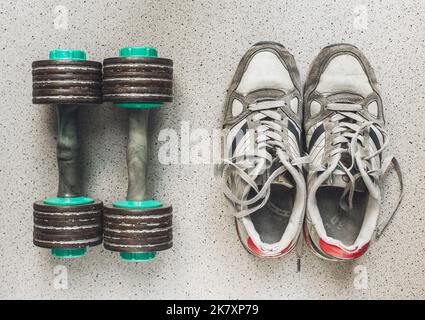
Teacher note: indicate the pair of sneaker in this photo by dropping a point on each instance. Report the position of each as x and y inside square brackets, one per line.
[305, 161]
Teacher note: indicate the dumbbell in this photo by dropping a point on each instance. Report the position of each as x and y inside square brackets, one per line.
[140, 81]
[69, 223]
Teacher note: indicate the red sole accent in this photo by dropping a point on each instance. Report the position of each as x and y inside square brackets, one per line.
[257, 251]
[340, 253]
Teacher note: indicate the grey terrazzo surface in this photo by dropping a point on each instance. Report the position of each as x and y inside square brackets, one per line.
[206, 40]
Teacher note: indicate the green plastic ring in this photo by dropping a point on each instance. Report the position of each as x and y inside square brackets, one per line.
[63, 253]
[74, 201]
[58, 54]
[138, 256]
[130, 204]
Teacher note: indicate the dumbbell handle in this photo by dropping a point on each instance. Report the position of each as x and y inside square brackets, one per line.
[67, 151]
[137, 153]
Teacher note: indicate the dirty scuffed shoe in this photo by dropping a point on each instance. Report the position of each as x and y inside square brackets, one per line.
[346, 145]
[263, 139]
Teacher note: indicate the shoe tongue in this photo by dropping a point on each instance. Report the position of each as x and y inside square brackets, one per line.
[284, 179]
[346, 160]
[342, 180]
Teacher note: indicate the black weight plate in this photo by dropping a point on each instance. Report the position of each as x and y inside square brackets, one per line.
[136, 236]
[67, 100]
[60, 226]
[65, 62]
[67, 230]
[61, 218]
[66, 92]
[116, 219]
[65, 70]
[67, 76]
[121, 226]
[131, 75]
[65, 237]
[120, 248]
[135, 224]
[66, 222]
[65, 245]
[154, 240]
[54, 82]
[137, 82]
[108, 90]
[138, 219]
[67, 84]
[136, 69]
[137, 98]
[133, 60]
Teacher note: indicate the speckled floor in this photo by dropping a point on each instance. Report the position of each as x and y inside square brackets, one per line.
[206, 40]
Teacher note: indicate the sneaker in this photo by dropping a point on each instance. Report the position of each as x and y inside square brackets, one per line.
[262, 125]
[346, 143]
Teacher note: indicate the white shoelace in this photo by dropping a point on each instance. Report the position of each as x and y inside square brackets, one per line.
[348, 138]
[248, 164]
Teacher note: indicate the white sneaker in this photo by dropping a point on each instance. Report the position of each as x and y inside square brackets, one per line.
[346, 145]
[263, 121]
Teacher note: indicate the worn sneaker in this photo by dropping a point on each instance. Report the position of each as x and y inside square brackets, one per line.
[346, 158]
[262, 125]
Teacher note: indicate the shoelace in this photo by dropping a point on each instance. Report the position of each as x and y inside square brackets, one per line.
[249, 165]
[348, 138]
[350, 134]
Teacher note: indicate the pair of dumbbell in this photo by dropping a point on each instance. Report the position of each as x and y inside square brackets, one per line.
[71, 222]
